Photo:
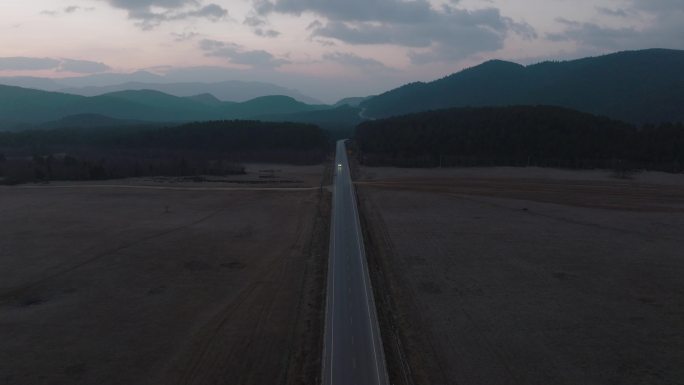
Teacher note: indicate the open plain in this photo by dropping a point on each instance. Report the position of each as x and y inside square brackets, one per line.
[132, 282]
[527, 276]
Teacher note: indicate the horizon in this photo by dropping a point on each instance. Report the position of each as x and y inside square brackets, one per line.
[326, 50]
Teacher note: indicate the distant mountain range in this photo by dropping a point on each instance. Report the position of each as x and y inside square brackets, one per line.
[94, 85]
[27, 106]
[637, 86]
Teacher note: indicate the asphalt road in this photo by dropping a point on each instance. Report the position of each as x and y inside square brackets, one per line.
[353, 353]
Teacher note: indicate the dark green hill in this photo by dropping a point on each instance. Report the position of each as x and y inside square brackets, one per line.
[267, 105]
[30, 107]
[89, 121]
[635, 86]
[207, 99]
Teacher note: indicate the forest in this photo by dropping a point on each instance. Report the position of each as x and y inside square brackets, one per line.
[206, 148]
[519, 136]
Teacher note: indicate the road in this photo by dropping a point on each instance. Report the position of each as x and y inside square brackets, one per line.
[353, 353]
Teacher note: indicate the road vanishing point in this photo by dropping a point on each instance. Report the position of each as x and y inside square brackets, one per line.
[353, 352]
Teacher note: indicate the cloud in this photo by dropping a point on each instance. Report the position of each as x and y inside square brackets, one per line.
[354, 10]
[27, 64]
[353, 60]
[263, 7]
[147, 4]
[612, 12]
[254, 21]
[150, 13]
[237, 54]
[447, 36]
[75, 8]
[258, 26]
[42, 64]
[659, 5]
[212, 12]
[664, 30]
[184, 36]
[593, 35]
[266, 32]
[83, 66]
[444, 34]
[70, 9]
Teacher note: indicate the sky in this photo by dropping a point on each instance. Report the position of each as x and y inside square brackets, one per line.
[328, 49]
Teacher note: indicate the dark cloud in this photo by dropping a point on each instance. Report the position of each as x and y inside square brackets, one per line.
[142, 11]
[211, 12]
[258, 25]
[237, 54]
[263, 7]
[314, 25]
[38, 64]
[355, 10]
[446, 33]
[452, 35]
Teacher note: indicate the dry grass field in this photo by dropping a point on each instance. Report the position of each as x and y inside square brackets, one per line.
[527, 276]
[140, 285]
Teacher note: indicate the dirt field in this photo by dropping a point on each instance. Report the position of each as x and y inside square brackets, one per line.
[110, 285]
[515, 276]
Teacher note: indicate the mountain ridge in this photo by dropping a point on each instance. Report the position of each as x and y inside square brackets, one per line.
[95, 85]
[645, 86]
[34, 106]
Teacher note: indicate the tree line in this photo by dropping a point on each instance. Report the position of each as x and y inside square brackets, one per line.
[519, 136]
[203, 148]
